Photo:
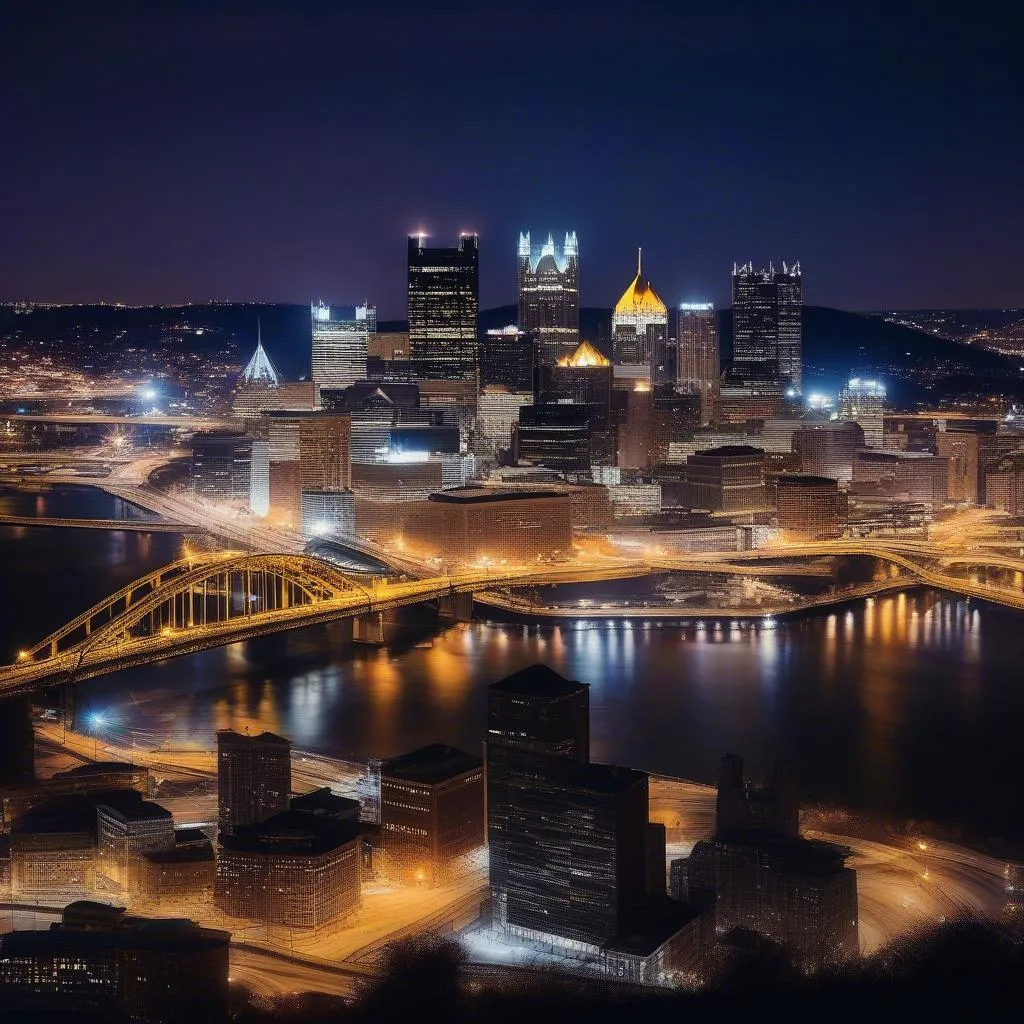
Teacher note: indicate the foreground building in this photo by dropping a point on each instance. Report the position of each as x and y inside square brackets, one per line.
[810, 507]
[99, 960]
[759, 874]
[254, 778]
[431, 814]
[296, 870]
[221, 466]
[726, 479]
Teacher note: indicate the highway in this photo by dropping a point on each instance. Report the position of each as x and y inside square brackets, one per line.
[136, 525]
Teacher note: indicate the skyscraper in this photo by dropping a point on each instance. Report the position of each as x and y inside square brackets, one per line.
[254, 778]
[698, 365]
[444, 300]
[340, 335]
[863, 401]
[767, 323]
[639, 330]
[549, 293]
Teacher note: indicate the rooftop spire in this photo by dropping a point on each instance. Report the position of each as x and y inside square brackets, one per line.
[260, 368]
[639, 264]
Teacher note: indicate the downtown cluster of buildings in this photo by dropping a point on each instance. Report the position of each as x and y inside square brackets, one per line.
[575, 864]
[467, 446]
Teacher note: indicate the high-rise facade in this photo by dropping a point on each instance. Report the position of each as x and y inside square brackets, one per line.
[767, 323]
[698, 364]
[444, 301]
[508, 358]
[549, 293]
[254, 778]
[222, 465]
[340, 338]
[863, 402]
[640, 330]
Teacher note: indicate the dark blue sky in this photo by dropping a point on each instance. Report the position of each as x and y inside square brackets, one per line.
[160, 152]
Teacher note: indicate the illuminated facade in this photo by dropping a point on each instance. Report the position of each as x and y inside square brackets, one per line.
[296, 870]
[221, 466]
[254, 778]
[767, 311]
[698, 364]
[810, 507]
[100, 962]
[726, 479]
[125, 832]
[444, 301]
[549, 294]
[259, 369]
[863, 402]
[340, 339]
[640, 328]
[431, 814]
[327, 513]
[497, 409]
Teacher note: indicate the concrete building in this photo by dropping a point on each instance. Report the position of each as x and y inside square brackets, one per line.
[254, 775]
[98, 960]
[698, 363]
[497, 410]
[294, 870]
[431, 814]
[828, 448]
[125, 832]
[635, 499]
[184, 871]
[902, 476]
[726, 479]
[221, 466]
[962, 448]
[810, 507]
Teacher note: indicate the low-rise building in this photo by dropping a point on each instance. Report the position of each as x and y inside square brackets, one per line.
[810, 507]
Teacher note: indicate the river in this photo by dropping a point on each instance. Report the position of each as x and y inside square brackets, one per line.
[907, 706]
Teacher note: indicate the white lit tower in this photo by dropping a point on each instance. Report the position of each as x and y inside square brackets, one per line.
[549, 294]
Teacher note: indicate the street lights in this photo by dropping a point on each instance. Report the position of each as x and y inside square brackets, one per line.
[923, 847]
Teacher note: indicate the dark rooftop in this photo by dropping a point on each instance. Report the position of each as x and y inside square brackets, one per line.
[293, 833]
[731, 451]
[591, 776]
[478, 495]
[263, 737]
[538, 681]
[323, 801]
[652, 925]
[431, 764]
[182, 854]
[137, 810]
[806, 480]
[100, 768]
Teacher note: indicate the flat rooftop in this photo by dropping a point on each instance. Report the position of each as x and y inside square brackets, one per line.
[431, 764]
[480, 495]
[806, 480]
[538, 681]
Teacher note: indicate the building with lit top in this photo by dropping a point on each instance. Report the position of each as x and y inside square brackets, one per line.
[444, 301]
[640, 327]
[698, 363]
[549, 294]
[98, 960]
[508, 358]
[340, 338]
[767, 324]
[431, 814]
[863, 402]
[582, 378]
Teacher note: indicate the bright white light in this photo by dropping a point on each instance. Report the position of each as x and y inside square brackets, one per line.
[791, 393]
[97, 720]
[149, 394]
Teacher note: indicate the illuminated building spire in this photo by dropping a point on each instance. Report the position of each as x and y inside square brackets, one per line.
[260, 368]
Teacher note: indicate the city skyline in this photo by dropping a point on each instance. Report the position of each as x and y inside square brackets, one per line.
[238, 216]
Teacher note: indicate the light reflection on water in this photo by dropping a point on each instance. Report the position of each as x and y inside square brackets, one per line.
[906, 704]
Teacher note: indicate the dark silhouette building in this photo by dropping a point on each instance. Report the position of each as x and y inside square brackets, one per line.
[767, 312]
[810, 507]
[17, 741]
[508, 358]
[431, 813]
[254, 778]
[556, 436]
[100, 960]
[759, 874]
[444, 290]
[222, 465]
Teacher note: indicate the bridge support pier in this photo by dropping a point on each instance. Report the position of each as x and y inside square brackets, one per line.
[369, 629]
[455, 607]
[17, 741]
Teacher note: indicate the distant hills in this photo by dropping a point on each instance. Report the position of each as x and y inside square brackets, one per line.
[837, 344]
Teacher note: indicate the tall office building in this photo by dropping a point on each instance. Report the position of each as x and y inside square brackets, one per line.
[863, 402]
[221, 465]
[340, 338]
[254, 778]
[640, 329]
[444, 300]
[508, 358]
[582, 378]
[698, 364]
[549, 294]
[767, 323]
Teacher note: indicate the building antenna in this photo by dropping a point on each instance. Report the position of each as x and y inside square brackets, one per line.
[639, 265]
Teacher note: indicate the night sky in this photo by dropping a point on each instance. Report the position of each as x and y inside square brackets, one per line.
[165, 152]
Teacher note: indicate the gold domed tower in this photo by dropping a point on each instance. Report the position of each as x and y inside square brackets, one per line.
[640, 329]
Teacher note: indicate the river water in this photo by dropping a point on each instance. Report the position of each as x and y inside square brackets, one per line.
[907, 706]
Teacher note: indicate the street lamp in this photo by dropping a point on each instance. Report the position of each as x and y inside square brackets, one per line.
[923, 847]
